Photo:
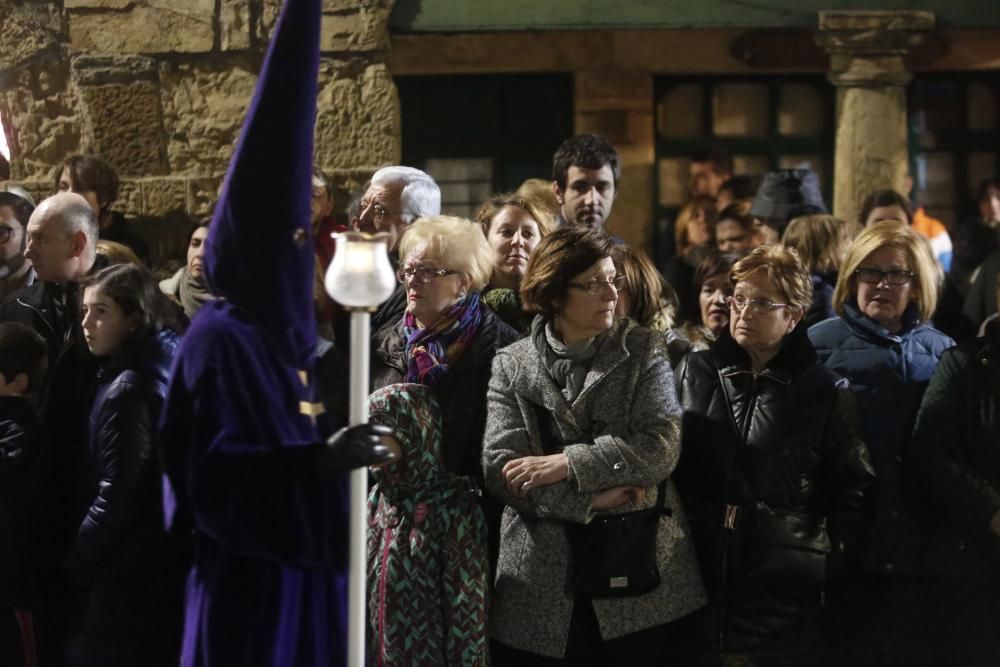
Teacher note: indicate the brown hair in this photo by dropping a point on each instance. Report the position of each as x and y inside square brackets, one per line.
[821, 240]
[563, 254]
[646, 287]
[134, 289]
[89, 172]
[535, 209]
[738, 212]
[784, 268]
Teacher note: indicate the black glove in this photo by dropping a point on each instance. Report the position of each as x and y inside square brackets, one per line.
[357, 447]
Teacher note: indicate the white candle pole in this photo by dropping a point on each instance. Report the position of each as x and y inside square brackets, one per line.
[359, 278]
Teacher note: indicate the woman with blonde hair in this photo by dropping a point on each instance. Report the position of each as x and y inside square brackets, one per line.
[822, 241]
[513, 226]
[883, 344]
[446, 338]
[772, 473]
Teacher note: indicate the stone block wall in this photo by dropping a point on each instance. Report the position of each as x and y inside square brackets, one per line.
[159, 88]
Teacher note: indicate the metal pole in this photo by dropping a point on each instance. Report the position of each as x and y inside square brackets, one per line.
[357, 591]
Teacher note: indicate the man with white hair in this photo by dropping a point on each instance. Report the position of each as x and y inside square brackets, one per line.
[396, 197]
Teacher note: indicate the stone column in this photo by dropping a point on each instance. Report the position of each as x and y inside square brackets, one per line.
[619, 106]
[868, 52]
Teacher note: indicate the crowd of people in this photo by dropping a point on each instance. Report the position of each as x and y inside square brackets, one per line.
[783, 395]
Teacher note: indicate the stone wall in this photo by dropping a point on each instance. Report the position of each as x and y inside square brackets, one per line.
[159, 88]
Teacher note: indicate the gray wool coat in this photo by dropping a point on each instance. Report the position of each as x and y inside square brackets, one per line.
[622, 429]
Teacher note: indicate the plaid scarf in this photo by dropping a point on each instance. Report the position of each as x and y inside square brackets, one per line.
[430, 351]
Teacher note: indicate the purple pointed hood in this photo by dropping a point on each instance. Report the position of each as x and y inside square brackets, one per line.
[258, 254]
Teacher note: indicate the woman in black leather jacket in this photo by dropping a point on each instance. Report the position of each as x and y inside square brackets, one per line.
[771, 473]
[127, 572]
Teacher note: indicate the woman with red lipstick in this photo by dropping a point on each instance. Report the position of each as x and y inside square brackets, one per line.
[513, 226]
[772, 473]
[883, 344]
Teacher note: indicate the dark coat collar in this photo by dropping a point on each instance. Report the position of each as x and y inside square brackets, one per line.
[795, 356]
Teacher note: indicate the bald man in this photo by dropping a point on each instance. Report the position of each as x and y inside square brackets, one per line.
[62, 244]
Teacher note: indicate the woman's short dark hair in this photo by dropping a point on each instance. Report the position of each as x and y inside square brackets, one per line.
[558, 258]
[738, 212]
[89, 172]
[203, 222]
[985, 186]
[714, 264]
[134, 289]
[885, 198]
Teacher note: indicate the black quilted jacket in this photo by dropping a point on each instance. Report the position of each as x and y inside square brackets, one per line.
[772, 476]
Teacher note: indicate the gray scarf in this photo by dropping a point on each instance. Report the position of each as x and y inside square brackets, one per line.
[567, 364]
[192, 293]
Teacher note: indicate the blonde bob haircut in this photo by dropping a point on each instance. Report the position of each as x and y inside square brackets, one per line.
[918, 256]
[821, 240]
[451, 243]
[783, 267]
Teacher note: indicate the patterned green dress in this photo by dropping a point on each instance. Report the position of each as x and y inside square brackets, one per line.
[427, 562]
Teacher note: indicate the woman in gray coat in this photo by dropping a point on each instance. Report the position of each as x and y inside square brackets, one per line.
[602, 393]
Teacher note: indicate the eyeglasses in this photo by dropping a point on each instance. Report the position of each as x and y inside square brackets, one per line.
[5, 233]
[378, 211]
[597, 285]
[875, 276]
[757, 306]
[421, 275]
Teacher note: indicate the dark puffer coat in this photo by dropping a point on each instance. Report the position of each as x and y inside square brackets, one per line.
[888, 373]
[953, 472]
[772, 476]
[126, 570]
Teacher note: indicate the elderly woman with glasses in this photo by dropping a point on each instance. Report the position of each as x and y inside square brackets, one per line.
[446, 338]
[772, 473]
[883, 344]
[583, 422]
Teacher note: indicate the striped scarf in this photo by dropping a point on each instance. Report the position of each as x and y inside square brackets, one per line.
[430, 351]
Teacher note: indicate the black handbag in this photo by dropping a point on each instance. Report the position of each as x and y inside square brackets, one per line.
[613, 555]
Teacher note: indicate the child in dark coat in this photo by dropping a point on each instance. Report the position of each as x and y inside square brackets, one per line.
[22, 365]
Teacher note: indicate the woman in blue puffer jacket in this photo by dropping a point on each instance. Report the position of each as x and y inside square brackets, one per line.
[882, 343]
[127, 572]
